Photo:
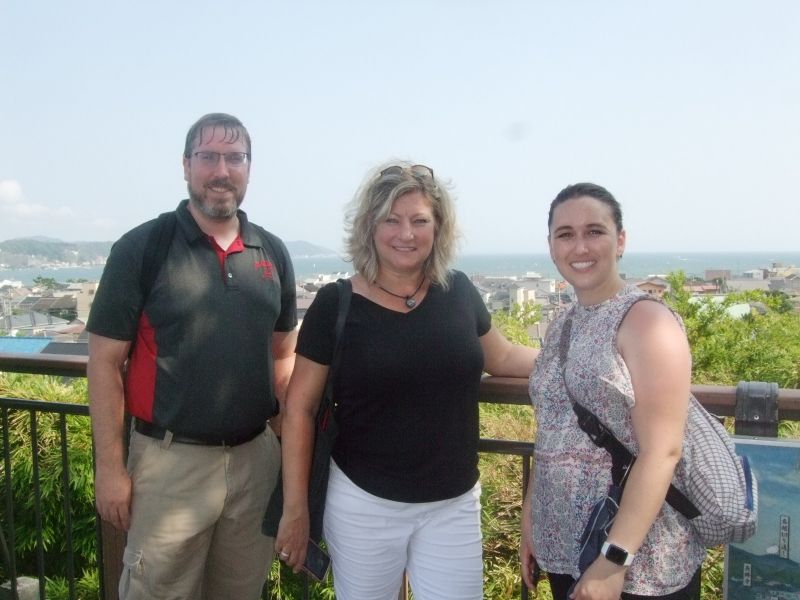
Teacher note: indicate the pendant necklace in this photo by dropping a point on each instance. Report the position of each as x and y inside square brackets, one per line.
[410, 301]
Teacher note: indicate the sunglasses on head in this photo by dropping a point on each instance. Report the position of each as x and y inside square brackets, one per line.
[419, 170]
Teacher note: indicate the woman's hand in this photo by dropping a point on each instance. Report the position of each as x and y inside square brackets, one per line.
[527, 555]
[302, 402]
[292, 539]
[603, 580]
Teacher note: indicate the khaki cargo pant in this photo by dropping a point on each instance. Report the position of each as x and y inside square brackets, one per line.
[196, 519]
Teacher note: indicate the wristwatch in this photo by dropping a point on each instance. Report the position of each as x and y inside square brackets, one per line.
[617, 555]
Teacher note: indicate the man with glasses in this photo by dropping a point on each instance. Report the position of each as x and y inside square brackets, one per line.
[193, 333]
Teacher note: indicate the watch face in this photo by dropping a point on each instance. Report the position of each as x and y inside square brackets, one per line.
[616, 554]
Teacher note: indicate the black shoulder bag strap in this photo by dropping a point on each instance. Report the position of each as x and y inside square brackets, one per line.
[325, 433]
[326, 407]
[326, 428]
[621, 458]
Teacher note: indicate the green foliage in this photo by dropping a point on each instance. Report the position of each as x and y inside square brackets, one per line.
[87, 586]
[501, 475]
[285, 585]
[789, 429]
[726, 350]
[712, 574]
[48, 283]
[501, 502]
[775, 300]
[50, 480]
[514, 323]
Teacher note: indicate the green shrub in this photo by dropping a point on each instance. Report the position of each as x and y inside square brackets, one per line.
[87, 586]
[51, 476]
[285, 585]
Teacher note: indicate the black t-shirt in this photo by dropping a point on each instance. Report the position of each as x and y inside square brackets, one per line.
[406, 391]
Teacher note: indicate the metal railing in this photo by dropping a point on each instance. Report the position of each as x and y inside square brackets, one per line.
[34, 408]
[753, 412]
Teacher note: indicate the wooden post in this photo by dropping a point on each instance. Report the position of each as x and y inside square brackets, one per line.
[112, 547]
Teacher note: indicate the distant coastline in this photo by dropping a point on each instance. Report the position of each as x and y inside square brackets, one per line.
[634, 265]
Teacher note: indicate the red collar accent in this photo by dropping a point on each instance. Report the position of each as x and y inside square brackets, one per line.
[236, 246]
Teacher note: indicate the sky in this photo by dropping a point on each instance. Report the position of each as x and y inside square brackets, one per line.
[688, 112]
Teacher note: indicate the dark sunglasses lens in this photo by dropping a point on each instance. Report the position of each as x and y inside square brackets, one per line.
[393, 170]
[422, 170]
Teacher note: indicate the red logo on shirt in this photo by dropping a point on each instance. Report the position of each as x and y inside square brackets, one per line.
[266, 268]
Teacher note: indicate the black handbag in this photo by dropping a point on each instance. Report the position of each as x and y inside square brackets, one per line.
[324, 438]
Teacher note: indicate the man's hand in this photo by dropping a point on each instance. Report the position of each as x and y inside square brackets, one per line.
[113, 490]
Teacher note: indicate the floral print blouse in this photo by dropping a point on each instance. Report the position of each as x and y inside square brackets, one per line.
[571, 473]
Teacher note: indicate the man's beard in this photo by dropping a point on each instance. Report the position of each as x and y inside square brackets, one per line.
[216, 211]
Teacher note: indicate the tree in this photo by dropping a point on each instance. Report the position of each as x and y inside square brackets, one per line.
[514, 323]
[48, 283]
[726, 350]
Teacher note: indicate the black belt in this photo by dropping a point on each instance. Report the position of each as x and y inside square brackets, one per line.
[159, 433]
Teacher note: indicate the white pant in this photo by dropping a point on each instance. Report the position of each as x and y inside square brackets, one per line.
[372, 540]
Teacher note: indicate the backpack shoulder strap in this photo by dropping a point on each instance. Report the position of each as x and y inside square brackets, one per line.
[156, 250]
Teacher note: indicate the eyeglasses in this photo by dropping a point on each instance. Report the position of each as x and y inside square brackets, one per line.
[420, 170]
[232, 159]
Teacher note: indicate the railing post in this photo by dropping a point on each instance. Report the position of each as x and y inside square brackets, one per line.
[112, 541]
[756, 409]
[112, 546]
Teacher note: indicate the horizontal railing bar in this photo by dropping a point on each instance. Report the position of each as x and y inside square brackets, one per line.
[515, 447]
[60, 408]
[66, 365]
[720, 400]
[717, 399]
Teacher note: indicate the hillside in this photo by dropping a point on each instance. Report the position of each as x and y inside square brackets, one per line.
[17, 252]
[301, 249]
[22, 252]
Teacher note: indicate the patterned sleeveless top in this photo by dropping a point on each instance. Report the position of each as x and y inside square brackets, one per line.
[571, 473]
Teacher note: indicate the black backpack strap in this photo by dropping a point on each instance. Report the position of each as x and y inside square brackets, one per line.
[622, 459]
[156, 250]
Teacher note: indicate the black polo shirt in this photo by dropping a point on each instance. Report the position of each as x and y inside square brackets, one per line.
[201, 363]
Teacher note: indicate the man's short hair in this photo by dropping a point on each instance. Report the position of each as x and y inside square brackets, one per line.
[231, 126]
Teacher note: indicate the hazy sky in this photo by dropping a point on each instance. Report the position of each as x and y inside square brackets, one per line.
[689, 112]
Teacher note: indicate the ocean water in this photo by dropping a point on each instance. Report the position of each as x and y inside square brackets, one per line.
[640, 264]
[632, 265]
